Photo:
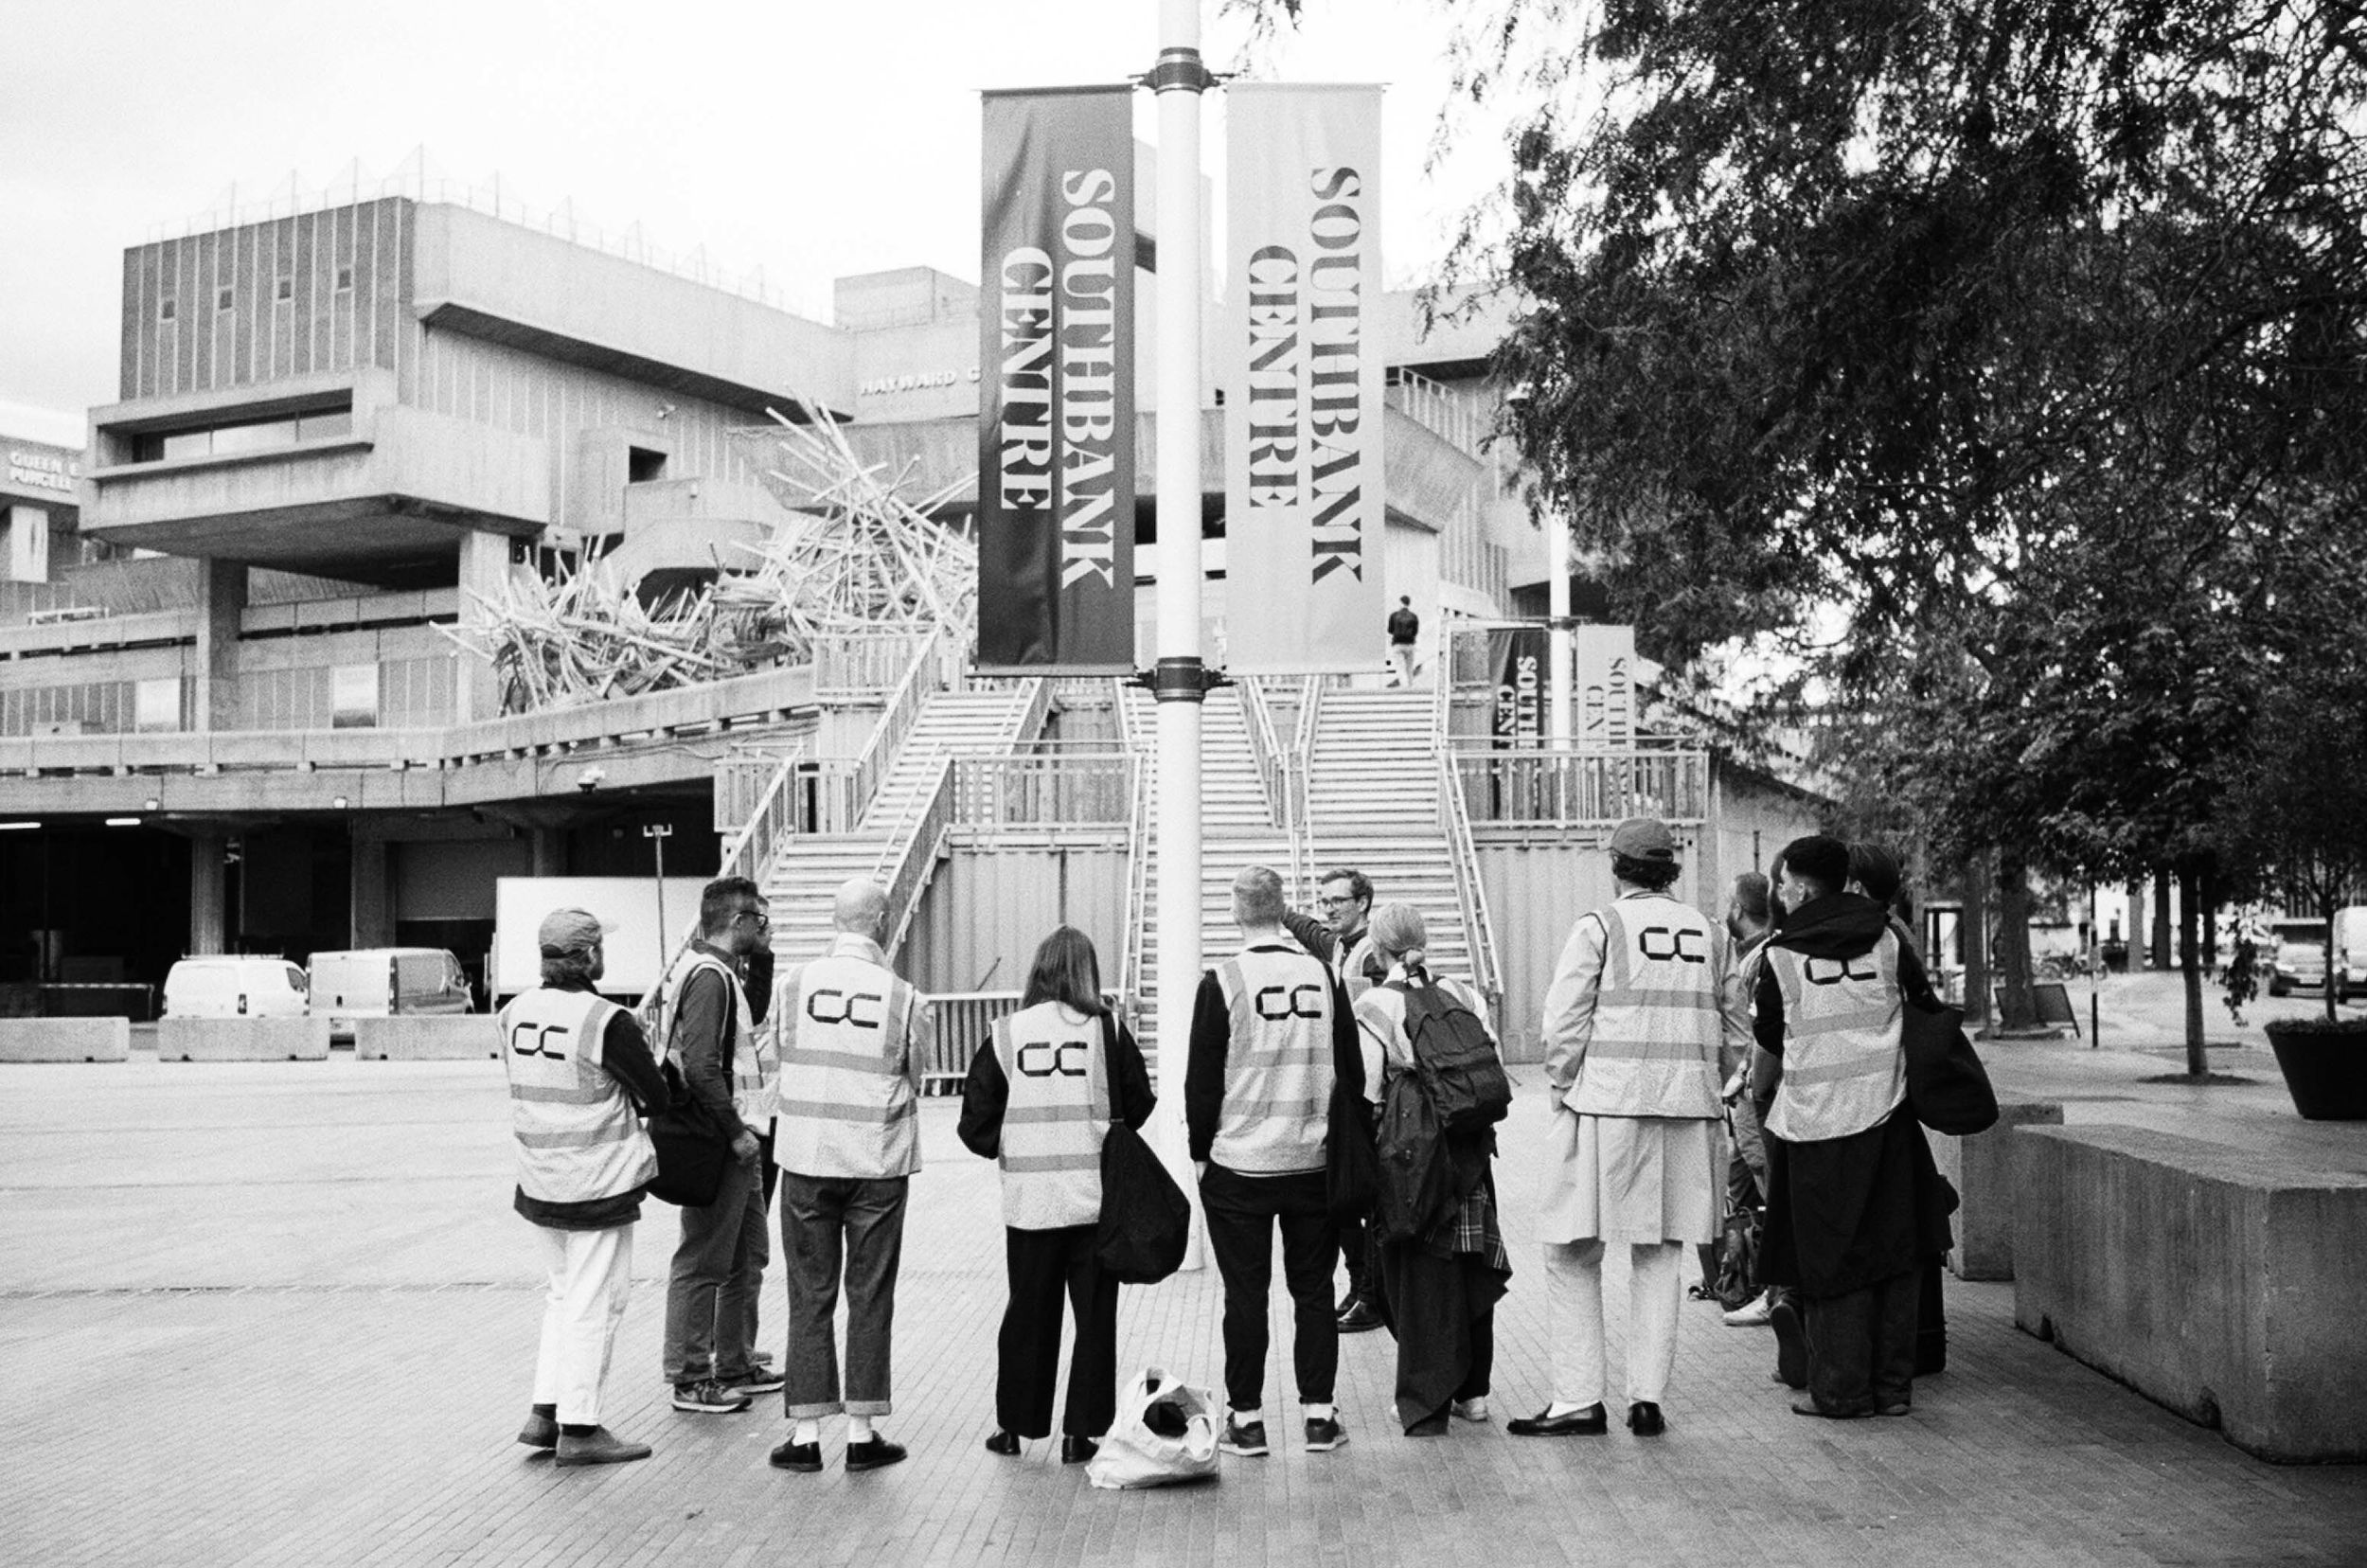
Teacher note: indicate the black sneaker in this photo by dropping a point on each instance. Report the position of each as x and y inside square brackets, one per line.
[1245, 1438]
[709, 1398]
[1324, 1434]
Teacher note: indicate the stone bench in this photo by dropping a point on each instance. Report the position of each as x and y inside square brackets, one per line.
[445, 1037]
[242, 1040]
[65, 1039]
[2224, 1283]
[1984, 1171]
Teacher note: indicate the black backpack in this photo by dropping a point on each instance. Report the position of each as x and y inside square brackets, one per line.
[1454, 1054]
[1417, 1187]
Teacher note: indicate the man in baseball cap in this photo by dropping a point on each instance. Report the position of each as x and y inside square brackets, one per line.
[567, 932]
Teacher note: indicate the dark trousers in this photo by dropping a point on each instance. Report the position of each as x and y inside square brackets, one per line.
[1041, 1264]
[711, 1287]
[1244, 1213]
[760, 1248]
[830, 1225]
[1359, 1250]
[1862, 1346]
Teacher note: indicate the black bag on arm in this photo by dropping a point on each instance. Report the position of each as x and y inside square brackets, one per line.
[1468, 1087]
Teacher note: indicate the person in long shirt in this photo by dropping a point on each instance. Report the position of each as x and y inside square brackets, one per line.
[1639, 1022]
[853, 1038]
[1043, 1091]
[719, 1262]
[580, 1077]
[1270, 1034]
[1855, 1203]
[1342, 940]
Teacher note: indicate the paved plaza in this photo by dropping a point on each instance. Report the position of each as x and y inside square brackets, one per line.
[264, 1314]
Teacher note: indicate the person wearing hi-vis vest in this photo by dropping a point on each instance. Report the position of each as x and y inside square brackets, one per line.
[580, 1076]
[852, 1038]
[1043, 1093]
[1640, 1022]
[1855, 1206]
[1270, 1034]
[727, 1063]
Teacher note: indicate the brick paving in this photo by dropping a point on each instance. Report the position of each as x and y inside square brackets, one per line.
[281, 1314]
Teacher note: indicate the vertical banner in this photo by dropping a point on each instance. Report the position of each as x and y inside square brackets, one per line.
[1056, 360]
[1301, 368]
[1603, 664]
[1516, 662]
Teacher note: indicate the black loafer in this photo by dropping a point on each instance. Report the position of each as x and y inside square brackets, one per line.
[1644, 1421]
[1004, 1443]
[1591, 1422]
[875, 1454]
[798, 1456]
[1791, 1345]
[1076, 1451]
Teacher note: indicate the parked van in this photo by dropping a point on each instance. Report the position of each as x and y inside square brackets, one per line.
[382, 982]
[230, 986]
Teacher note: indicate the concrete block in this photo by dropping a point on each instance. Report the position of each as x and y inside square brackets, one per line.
[242, 1040]
[1982, 1171]
[2221, 1282]
[456, 1037]
[65, 1039]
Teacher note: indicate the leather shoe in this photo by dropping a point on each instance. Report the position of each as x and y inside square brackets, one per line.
[1004, 1443]
[1644, 1421]
[1360, 1318]
[1791, 1345]
[875, 1454]
[1591, 1422]
[541, 1430]
[597, 1447]
[1076, 1451]
[1809, 1407]
[798, 1456]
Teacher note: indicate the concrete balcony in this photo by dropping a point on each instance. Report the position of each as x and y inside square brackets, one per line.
[679, 530]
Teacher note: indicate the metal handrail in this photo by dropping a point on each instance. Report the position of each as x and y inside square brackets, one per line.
[1263, 749]
[1032, 712]
[1302, 753]
[1284, 775]
[1137, 906]
[1470, 889]
[912, 849]
[1567, 787]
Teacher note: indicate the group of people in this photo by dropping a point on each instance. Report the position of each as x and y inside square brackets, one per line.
[1656, 1021]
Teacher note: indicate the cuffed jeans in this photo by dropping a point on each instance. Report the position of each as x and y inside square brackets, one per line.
[590, 1276]
[830, 1225]
[1573, 1318]
[718, 1267]
[1244, 1213]
[1862, 1346]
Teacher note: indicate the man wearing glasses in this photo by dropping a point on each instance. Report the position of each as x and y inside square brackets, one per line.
[719, 1265]
[1342, 940]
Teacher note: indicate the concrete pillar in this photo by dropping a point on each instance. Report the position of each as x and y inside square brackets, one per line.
[550, 853]
[372, 896]
[209, 914]
[220, 598]
[484, 567]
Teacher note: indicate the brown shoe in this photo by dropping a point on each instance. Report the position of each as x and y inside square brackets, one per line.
[598, 1447]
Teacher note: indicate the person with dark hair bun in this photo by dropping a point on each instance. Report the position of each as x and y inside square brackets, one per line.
[1043, 1093]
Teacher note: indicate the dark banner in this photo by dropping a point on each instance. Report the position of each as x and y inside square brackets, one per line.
[1516, 662]
[1056, 407]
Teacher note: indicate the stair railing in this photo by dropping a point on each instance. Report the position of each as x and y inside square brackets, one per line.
[1302, 769]
[912, 849]
[1283, 773]
[1470, 889]
[1136, 913]
[861, 780]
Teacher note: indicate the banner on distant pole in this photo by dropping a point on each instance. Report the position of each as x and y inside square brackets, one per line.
[1604, 663]
[1056, 407]
[1517, 662]
[1302, 374]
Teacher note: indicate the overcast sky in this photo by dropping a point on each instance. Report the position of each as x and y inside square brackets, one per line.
[808, 139]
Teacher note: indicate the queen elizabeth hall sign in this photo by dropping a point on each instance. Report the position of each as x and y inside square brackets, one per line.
[1056, 420]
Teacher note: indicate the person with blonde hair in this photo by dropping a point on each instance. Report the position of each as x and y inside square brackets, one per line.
[1043, 1091]
[1439, 1290]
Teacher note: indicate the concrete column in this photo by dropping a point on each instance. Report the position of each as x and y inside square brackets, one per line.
[372, 897]
[208, 915]
[484, 567]
[550, 853]
[220, 598]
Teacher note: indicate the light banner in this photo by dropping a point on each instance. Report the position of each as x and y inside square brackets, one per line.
[1056, 407]
[1604, 667]
[1301, 367]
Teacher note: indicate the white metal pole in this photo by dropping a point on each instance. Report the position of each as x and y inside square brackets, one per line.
[1179, 78]
[1558, 652]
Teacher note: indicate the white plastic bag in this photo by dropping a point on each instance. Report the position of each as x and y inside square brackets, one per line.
[1137, 1452]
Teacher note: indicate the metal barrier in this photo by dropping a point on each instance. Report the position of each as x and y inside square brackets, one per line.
[1068, 786]
[911, 851]
[861, 665]
[1583, 788]
[1470, 891]
[1136, 910]
[959, 1023]
[742, 781]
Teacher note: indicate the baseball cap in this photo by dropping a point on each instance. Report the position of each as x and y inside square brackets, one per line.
[1644, 839]
[567, 930]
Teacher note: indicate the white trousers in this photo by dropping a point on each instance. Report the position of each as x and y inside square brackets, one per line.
[1573, 1285]
[591, 1275]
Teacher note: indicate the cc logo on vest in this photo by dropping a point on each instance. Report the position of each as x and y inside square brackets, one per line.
[1033, 1054]
[1292, 1001]
[861, 1010]
[1671, 944]
[542, 1033]
[1834, 973]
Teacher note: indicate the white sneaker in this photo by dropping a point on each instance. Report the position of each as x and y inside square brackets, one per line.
[1751, 1315]
[1472, 1410]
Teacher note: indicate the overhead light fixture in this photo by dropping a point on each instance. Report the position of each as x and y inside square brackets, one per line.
[18, 827]
[339, 803]
[152, 803]
[123, 821]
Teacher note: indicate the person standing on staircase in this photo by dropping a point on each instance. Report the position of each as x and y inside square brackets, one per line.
[1342, 940]
[1405, 631]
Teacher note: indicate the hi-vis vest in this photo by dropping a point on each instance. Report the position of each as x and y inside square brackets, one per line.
[1055, 1117]
[1844, 1067]
[1658, 1026]
[755, 1064]
[578, 1137]
[1277, 1066]
[847, 1103]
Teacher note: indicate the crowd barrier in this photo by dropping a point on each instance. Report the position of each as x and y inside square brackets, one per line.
[1986, 1175]
[242, 1040]
[65, 1039]
[450, 1037]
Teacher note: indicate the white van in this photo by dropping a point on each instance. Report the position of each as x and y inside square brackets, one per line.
[382, 982]
[230, 986]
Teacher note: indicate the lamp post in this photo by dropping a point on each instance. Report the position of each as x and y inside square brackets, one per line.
[657, 833]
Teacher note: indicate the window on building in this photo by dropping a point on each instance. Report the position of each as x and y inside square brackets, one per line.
[345, 279]
[226, 299]
[643, 465]
[353, 697]
[284, 289]
[157, 705]
[166, 307]
[236, 436]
